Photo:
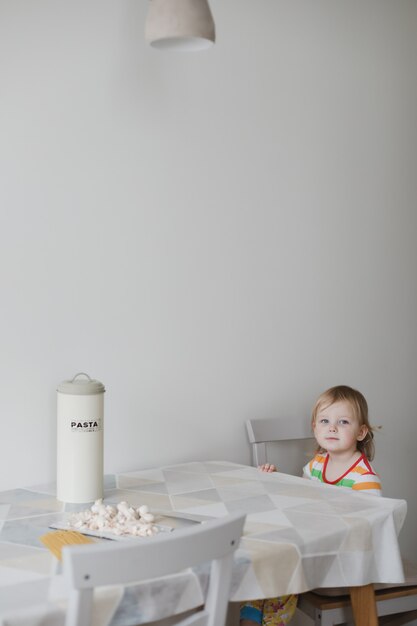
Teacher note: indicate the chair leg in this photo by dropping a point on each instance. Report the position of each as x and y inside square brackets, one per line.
[80, 604]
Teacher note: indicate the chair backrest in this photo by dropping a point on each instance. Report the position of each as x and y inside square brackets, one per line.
[113, 563]
[294, 438]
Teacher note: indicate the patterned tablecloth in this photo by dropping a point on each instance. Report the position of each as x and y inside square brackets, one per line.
[298, 535]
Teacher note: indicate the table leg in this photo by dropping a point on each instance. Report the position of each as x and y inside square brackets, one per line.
[364, 605]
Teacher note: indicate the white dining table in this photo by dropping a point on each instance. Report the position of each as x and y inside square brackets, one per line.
[299, 535]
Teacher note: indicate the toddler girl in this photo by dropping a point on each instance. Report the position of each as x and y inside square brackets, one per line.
[344, 441]
[345, 448]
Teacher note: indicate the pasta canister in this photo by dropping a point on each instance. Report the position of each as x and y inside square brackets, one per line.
[80, 414]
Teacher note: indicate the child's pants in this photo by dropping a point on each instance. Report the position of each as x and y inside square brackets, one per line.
[269, 612]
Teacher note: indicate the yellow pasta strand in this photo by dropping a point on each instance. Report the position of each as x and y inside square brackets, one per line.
[56, 540]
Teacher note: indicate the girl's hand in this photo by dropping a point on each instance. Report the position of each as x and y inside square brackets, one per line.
[267, 467]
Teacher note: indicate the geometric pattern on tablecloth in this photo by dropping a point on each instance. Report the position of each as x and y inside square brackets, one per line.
[282, 550]
[307, 506]
[19, 503]
[245, 472]
[272, 563]
[310, 528]
[289, 490]
[149, 488]
[254, 504]
[278, 519]
[241, 567]
[26, 532]
[212, 510]
[10, 575]
[359, 536]
[292, 490]
[186, 482]
[257, 527]
[350, 561]
[280, 536]
[344, 504]
[241, 490]
[244, 489]
[137, 479]
[175, 593]
[302, 504]
[226, 482]
[204, 496]
[287, 501]
[26, 559]
[327, 565]
[26, 593]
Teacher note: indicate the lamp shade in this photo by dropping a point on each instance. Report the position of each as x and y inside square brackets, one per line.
[180, 25]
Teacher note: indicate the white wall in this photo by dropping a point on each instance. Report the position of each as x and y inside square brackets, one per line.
[214, 236]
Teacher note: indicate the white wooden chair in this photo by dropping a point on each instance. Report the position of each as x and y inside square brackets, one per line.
[114, 563]
[396, 604]
[293, 438]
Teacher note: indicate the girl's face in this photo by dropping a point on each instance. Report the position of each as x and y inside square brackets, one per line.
[336, 428]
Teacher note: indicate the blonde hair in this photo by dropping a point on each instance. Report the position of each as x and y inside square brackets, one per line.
[343, 393]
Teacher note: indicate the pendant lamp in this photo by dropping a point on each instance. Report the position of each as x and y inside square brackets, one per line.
[180, 25]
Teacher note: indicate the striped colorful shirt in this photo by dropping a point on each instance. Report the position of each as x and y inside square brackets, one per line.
[360, 476]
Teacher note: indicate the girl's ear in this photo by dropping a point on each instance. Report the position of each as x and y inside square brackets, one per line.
[363, 431]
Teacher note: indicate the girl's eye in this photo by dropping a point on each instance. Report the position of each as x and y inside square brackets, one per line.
[343, 422]
[324, 420]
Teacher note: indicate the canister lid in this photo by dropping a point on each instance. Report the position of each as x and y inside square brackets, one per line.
[81, 387]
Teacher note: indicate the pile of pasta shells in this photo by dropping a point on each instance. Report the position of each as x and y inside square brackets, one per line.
[120, 519]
